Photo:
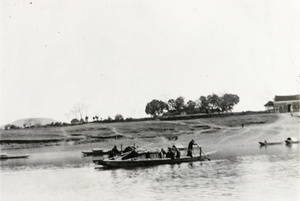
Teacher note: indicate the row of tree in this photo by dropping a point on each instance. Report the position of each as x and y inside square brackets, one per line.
[205, 104]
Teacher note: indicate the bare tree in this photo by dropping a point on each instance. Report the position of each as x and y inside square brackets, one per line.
[79, 109]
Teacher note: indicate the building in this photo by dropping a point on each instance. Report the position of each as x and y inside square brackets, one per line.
[269, 106]
[286, 103]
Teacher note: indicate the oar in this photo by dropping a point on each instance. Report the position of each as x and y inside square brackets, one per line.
[203, 152]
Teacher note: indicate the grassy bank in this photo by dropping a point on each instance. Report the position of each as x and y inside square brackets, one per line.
[99, 132]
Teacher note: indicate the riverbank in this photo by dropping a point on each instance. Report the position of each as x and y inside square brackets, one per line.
[219, 138]
[215, 130]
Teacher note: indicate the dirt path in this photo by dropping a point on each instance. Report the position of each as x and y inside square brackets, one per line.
[285, 126]
[114, 129]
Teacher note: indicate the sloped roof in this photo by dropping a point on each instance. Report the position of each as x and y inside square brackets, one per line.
[287, 98]
[269, 104]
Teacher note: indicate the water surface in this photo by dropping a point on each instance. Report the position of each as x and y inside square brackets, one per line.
[240, 173]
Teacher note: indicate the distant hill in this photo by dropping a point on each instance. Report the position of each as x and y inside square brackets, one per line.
[33, 121]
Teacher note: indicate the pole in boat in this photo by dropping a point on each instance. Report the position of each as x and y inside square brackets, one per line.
[203, 152]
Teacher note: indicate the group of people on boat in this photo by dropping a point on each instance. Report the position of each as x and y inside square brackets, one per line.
[172, 152]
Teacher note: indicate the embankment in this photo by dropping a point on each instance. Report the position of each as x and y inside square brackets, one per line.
[221, 130]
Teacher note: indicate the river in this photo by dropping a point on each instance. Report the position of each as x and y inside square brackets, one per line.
[234, 173]
[239, 170]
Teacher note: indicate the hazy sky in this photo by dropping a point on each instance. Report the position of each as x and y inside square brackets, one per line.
[116, 56]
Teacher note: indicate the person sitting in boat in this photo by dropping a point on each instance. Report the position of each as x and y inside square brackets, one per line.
[190, 148]
[114, 152]
[176, 151]
[148, 155]
[170, 153]
[162, 153]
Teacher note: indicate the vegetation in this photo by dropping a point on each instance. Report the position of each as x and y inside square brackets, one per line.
[119, 117]
[156, 107]
[210, 104]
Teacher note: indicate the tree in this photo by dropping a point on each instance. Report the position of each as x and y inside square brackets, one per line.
[203, 104]
[57, 124]
[156, 107]
[179, 104]
[95, 118]
[74, 121]
[79, 109]
[14, 127]
[171, 105]
[86, 118]
[7, 126]
[228, 101]
[119, 117]
[213, 102]
[190, 108]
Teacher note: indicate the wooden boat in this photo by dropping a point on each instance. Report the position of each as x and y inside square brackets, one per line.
[269, 143]
[5, 156]
[291, 140]
[133, 162]
[96, 152]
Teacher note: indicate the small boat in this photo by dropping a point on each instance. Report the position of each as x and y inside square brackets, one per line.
[291, 140]
[133, 162]
[88, 153]
[265, 143]
[96, 152]
[5, 156]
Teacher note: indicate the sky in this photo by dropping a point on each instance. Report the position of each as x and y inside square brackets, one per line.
[116, 56]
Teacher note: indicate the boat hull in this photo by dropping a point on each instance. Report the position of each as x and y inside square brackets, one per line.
[96, 153]
[13, 157]
[146, 162]
[269, 143]
[288, 142]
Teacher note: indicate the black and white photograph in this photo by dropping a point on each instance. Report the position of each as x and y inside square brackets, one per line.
[147, 100]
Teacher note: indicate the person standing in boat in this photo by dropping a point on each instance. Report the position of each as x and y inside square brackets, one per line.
[190, 148]
[176, 151]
